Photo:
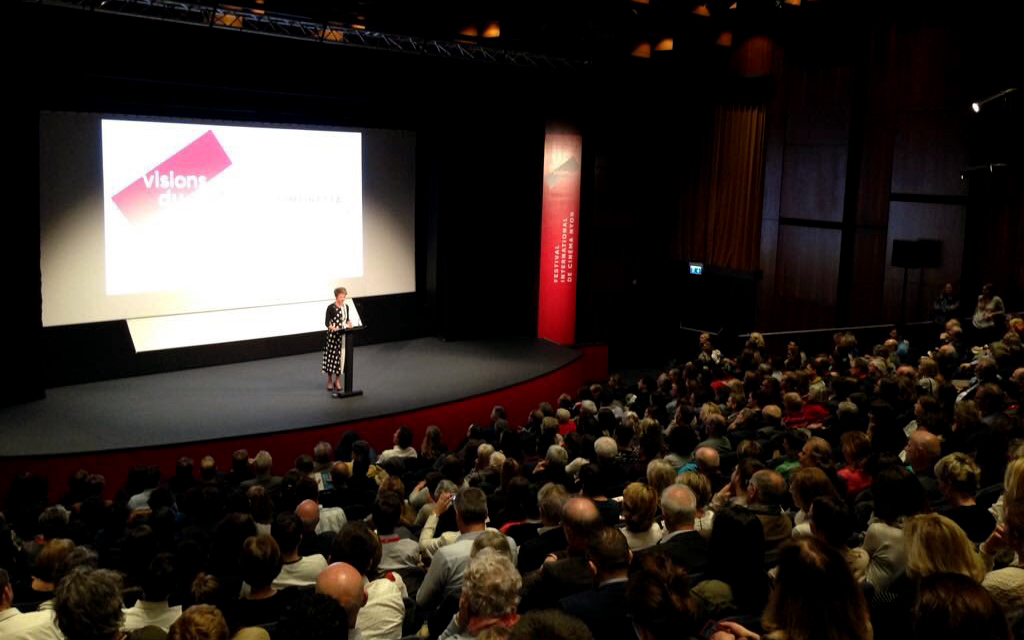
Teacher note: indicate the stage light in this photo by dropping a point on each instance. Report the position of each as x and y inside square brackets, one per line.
[665, 44]
[702, 11]
[976, 106]
[491, 30]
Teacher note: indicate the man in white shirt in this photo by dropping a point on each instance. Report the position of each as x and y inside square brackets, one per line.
[296, 570]
[403, 446]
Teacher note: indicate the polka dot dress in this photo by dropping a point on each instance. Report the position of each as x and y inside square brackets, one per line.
[333, 359]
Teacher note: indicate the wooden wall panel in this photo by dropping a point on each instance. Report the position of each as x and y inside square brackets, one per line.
[806, 272]
[813, 182]
[929, 153]
[818, 105]
[915, 221]
[875, 174]
[869, 272]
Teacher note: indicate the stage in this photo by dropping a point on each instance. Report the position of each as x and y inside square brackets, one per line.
[281, 404]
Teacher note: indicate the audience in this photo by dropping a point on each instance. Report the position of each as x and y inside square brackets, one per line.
[718, 473]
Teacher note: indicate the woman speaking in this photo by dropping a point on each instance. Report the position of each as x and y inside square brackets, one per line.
[341, 314]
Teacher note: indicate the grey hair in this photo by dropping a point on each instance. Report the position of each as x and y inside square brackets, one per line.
[606, 447]
[563, 415]
[557, 454]
[491, 539]
[551, 500]
[87, 604]
[445, 486]
[491, 585]
[588, 407]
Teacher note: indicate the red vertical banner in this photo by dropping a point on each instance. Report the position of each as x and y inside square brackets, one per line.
[560, 223]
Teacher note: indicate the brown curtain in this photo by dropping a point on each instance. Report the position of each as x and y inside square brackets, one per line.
[721, 218]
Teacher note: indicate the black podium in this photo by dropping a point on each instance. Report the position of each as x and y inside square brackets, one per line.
[348, 392]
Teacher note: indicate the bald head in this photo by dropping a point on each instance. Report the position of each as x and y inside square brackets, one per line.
[923, 450]
[679, 507]
[309, 513]
[580, 518]
[707, 460]
[766, 487]
[344, 583]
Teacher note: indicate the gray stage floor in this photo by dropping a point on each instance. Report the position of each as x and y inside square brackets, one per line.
[267, 396]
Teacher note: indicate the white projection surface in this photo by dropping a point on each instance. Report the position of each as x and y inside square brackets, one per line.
[201, 232]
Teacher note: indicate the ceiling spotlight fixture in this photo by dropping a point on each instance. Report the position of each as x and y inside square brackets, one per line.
[976, 106]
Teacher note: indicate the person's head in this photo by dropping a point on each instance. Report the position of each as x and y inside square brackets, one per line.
[344, 583]
[678, 507]
[387, 512]
[808, 483]
[580, 518]
[658, 599]
[312, 616]
[340, 293]
[199, 622]
[936, 544]
[958, 474]
[708, 460]
[549, 624]
[608, 554]
[358, 547]
[660, 474]
[816, 452]
[766, 487]
[830, 521]
[261, 561]
[48, 564]
[87, 605]
[605, 448]
[897, 493]
[699, 484]
[287, 532]
[551, 501]
[159, 580]
[470, 508]
[490, 587]
[856, 448]
[403, 437]
[950, 606]
[639, 504]
[491, 539]
[262, 463]
[923, 450]
[815, 594]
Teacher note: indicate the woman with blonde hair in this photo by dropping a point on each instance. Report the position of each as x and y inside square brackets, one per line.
[701, 487]
[639, 505]
[958, 477]
[660, 474]
[936, 544]
[1006, 585]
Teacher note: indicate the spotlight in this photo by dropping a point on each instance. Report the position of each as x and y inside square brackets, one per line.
[976, 106]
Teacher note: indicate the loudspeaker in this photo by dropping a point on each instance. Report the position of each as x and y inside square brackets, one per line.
[916, 254]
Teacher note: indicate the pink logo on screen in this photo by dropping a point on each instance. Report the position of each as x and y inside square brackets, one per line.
[174, 179]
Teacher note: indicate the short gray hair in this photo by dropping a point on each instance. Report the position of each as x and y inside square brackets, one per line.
[587, 407]
[606, 448]
[551, 500]
[678, 505]
[558, 454]
[87, 604]
[491, 585]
